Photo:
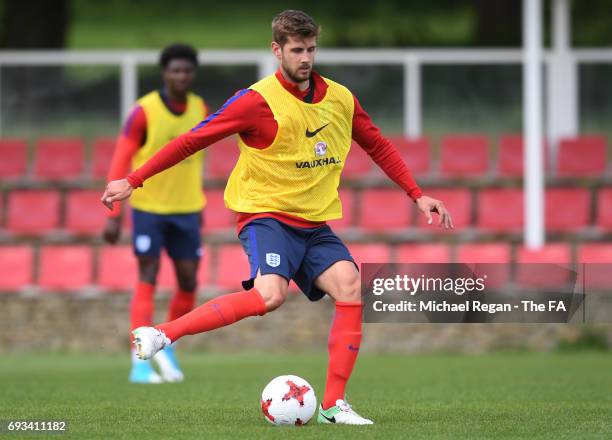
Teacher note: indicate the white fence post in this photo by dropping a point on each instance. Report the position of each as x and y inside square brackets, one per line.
[129, 86]
[266, 66]
[562, 80]
[412, 97]
[532, 124]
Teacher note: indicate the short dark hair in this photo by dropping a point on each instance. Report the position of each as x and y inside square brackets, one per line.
[178, 50]
[292, 23]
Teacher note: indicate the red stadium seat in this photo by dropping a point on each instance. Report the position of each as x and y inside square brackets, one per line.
[103, 149]
[220, 158]
[603, 218]
[347, 197]
[15, 267]
[117, 268]
[85, 215]
[457, 201]
[166, 278]
[483, 253]
[597, 258]
[423, 253]
[490, 259]
[582, 156]
[383, 209]
[595, 253]
[204, 271]
[370, 253]
[555, 253]
[65, 267]
[358, 163]
[58, 159]
[14, 158]
[216, 215]
[126, 221]
[422, 259]
[567, 209]
[415, 153]
[511, 161]
[232, 267]
[464, 155]
[554, 274]
[500, 210]
[33, 212]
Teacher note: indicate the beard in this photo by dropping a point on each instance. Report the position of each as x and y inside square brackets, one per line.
[296, 75]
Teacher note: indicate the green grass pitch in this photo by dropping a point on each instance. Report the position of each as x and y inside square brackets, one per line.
[504, 395]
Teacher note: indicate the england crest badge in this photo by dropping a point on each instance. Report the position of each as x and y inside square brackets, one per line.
[321, 149]
[272, 260]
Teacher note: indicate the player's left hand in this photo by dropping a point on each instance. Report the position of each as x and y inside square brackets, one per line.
[428, 205]
[115, 191]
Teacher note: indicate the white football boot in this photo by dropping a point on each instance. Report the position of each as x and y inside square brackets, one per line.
[148, 341]
[341, 414]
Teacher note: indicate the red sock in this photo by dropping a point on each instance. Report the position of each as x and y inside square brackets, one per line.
[141, 306]
[219, 312]
[181, 303]
[343, 347]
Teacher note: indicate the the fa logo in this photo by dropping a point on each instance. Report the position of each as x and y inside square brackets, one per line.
[272, 260]
[321, 149]
[143, 243]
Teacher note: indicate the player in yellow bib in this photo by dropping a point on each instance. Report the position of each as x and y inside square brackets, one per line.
[295, 129]
[310, 195]
[168, 213]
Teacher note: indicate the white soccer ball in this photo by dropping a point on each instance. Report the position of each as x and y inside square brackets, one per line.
[288, 400]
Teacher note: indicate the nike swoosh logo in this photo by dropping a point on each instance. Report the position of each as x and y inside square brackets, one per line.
[310, 134]
[350, 347]
[332, 420]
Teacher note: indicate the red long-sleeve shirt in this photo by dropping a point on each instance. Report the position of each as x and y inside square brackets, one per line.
[133, 135]
[248, 114]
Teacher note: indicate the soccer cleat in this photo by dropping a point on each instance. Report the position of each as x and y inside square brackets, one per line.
[148, 341]
[341, 414]
[168, 365]
[143, 372]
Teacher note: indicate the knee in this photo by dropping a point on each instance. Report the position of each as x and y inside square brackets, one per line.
[187, 282]
[273, 289]
[349, 289]
[186, 274]
[273, 298]
[148, 269]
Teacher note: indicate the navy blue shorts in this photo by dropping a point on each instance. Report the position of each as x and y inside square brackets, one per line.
[178, 233]
[300, 254]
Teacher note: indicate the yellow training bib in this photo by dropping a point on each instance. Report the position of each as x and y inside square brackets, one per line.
[300, 172]
[178, 189]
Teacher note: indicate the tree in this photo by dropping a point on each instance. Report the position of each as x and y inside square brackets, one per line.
[498, 23]
[34, 24]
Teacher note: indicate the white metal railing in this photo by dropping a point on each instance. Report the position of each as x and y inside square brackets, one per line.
[561, 79]
[412, 61]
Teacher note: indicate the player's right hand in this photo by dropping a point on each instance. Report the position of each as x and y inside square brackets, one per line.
[115, 191]
[112, 230]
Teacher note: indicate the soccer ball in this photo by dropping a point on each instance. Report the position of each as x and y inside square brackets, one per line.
[288, 400]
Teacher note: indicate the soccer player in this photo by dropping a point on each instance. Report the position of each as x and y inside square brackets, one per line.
[167, 213]
[295, 129]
